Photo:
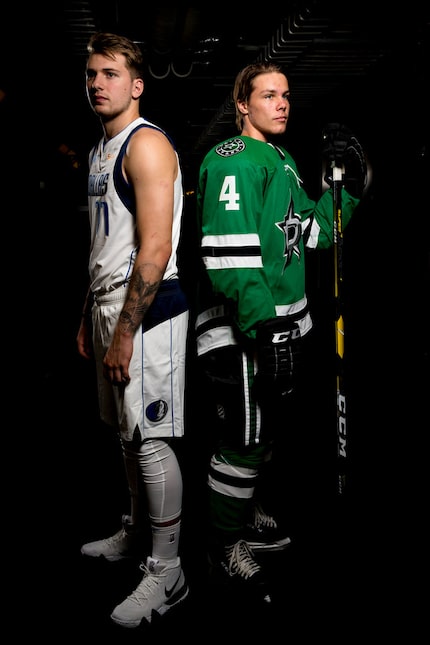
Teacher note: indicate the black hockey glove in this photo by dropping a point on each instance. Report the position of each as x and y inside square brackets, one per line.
[278, 358]
[342, 148]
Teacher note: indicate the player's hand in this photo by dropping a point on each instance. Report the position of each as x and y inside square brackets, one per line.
[84, 338]
[278, 358]
[341, 148]
[117, 359]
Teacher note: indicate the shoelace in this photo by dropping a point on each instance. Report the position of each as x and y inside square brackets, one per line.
[241, 561]
[147, 586]
[117, 538]
[120, 542]
[262, 519]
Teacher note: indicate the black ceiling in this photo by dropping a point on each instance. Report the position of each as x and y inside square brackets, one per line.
[345, 61]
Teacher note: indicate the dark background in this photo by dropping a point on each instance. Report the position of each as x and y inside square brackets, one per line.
[355, 63]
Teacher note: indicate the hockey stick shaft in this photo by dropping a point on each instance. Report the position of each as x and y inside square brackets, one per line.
[339, 328]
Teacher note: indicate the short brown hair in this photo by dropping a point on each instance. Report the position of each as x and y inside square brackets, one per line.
[110, 45]
[244, 84]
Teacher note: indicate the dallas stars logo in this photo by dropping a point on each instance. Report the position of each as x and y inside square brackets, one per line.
[292, 230]
[231, 147]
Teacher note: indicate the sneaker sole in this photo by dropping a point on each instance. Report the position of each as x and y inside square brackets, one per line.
[108, 558]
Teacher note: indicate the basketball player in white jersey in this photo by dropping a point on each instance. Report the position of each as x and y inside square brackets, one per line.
[135, 320]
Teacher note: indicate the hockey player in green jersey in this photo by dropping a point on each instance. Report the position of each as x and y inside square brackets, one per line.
[255, 221]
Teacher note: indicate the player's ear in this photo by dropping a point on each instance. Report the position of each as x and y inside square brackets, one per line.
[138, 86]
[242, 106]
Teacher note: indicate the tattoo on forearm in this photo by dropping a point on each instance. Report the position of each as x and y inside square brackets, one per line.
[141, 293]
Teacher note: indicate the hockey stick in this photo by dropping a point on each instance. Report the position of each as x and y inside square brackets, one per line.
[339, 328]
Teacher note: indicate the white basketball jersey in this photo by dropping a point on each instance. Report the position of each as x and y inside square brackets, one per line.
[112, 214]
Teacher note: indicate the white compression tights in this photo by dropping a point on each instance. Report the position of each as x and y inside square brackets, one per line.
[153, 469]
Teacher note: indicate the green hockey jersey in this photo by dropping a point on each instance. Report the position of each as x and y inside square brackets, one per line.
[255, 221]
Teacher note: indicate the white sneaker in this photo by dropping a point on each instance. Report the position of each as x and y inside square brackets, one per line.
[162, 587]
[119, 546]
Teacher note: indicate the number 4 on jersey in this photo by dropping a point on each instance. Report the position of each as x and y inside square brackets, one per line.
[228, 194]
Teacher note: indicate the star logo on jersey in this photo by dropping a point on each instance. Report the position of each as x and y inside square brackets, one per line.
[231, 147]
[292, 229]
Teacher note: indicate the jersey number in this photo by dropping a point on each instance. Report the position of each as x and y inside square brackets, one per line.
[228, 194]
[102, 217]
